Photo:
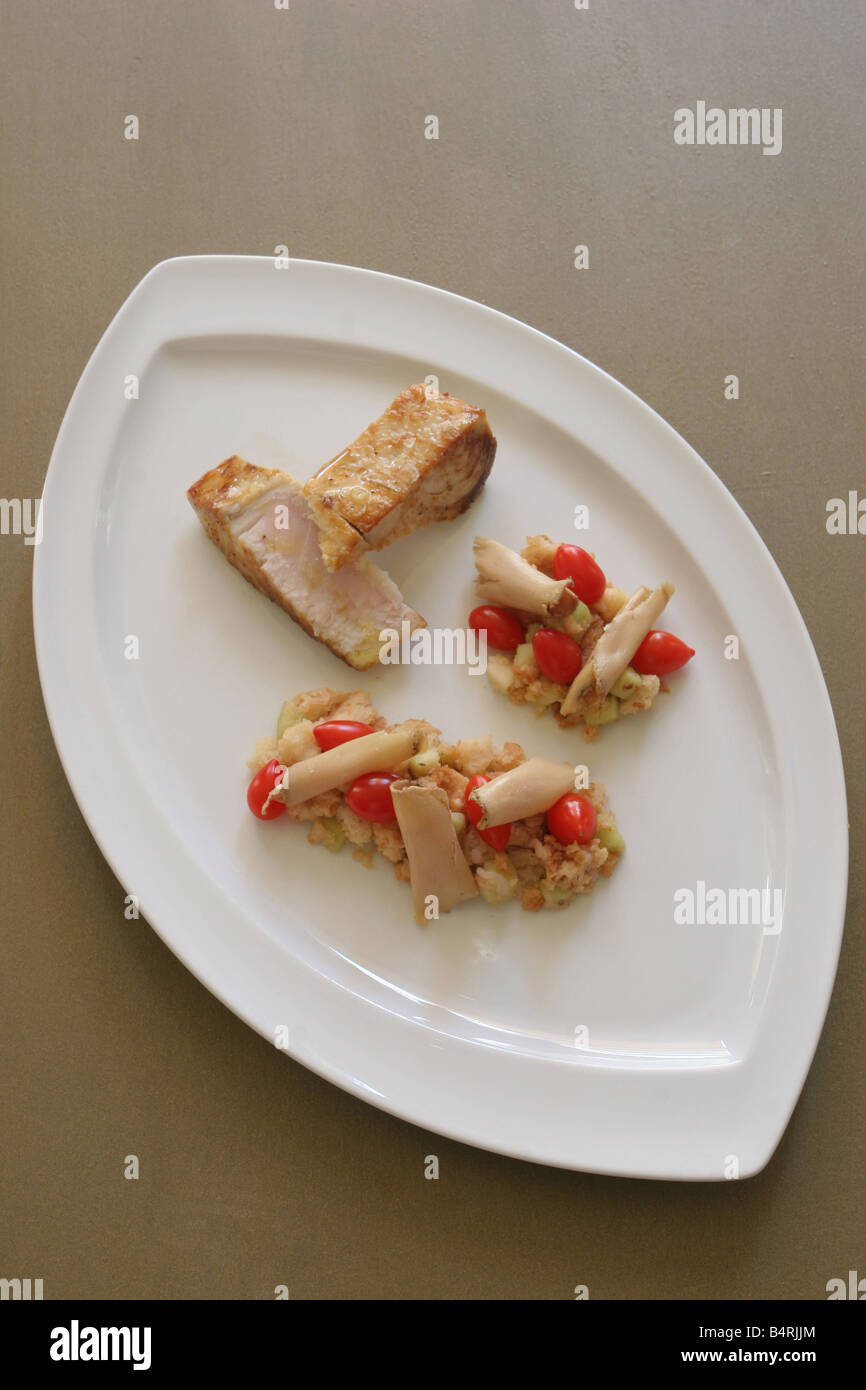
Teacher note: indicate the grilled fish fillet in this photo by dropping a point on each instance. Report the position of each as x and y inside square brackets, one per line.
[425, 459]
[262, 523]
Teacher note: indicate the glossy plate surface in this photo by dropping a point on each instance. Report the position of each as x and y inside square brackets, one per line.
[607, 1037]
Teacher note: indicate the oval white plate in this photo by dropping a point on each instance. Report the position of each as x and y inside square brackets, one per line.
[605, 1037]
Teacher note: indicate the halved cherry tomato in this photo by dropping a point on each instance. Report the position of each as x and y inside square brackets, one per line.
[498, 835]
[572, 819]
[660, 653]
[504, 630]
[557, 655]
[333, 732]
[370, 797]
[587, 578]
[260, 789]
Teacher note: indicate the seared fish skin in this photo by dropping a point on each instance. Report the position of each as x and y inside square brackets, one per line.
[425, 459]
[262, 523]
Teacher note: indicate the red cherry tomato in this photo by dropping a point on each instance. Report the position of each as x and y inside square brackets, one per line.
[260, 789]
[557, 655]
[587, 579]
[370, 797]
[572, 819]
[336, 731]
[660, 653]
[504, 630]
[498, 835]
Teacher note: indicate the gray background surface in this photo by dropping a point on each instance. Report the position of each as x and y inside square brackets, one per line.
[260, 127]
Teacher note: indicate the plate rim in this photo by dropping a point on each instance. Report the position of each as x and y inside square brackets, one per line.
[310, 1049]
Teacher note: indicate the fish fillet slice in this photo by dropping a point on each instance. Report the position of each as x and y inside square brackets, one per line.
[262, 523]
[425, 459]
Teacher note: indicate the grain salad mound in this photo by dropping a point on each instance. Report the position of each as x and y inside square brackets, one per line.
[535, 868]
[517, 675]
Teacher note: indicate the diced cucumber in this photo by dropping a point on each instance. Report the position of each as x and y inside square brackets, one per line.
[336, 834]
[554, 894]
[606, 712]
[628, 684]
[608, 834]
[424, 762]
[577, 622]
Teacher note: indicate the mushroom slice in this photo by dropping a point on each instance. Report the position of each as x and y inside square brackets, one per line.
[526, 790]
[617, 645]
[505, 577]
[437, 864]
[378, 752]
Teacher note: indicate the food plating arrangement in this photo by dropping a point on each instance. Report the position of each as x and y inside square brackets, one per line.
[462, 820]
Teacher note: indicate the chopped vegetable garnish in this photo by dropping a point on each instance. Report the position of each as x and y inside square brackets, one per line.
[557, 655]
[370, 797]
[660, 653]
[496, 836]
[504, 630]
[261, 789]
[572, 819]
[587, 578]
[332, 732]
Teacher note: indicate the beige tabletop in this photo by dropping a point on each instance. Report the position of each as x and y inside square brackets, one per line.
[305, 126]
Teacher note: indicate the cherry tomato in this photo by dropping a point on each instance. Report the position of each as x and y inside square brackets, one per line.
[587, 579]
[370, 797]
[336, 731]
[557, 655]
[498, 835]
[504, 630]
[260, 789]
[572, 819]
[660, 653]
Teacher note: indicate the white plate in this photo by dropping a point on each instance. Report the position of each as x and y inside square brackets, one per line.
[698, 1038]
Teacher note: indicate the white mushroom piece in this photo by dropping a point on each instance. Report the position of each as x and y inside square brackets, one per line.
[377, 752]
[527, 790]
[437, 865]
[617, 645]
[505, 577]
